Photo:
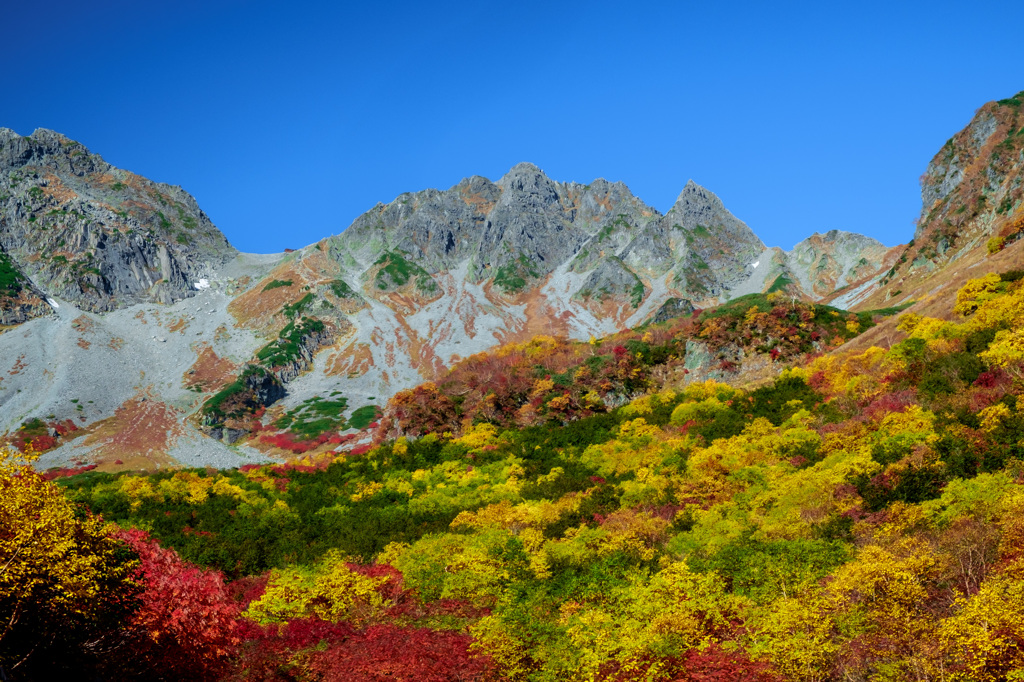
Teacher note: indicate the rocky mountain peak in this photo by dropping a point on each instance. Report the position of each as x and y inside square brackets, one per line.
[692, 193]
[825, 262]
[697, 205]
[526, 178]
[48, 149]
[838, 237]
[82, 230]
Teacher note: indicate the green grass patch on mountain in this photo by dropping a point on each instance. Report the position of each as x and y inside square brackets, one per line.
[11, 279]
[780, 283]
[636, 294]
[277, 283]
[363, 416]
[288, 346]
[341, 289]
[513, 276]
[313, 417]
[396, 270]
[295, 309]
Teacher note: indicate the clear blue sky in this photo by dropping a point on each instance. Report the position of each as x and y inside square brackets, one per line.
[286, 121]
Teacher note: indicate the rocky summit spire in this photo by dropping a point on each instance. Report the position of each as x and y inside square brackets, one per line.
[526, 178]
[698, 206]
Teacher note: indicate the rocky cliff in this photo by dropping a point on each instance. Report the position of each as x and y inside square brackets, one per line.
[99, 237]
[525, 228]
[972, 195]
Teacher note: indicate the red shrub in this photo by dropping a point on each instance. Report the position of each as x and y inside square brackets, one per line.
[266, 651]
[709, 665]
[283, 469]
[62, 473]
[286, 441]
[44, 443]
[888, 403]
[989, 379]
[246, 590]
[385, 653]
[185, 625]
[64, 428]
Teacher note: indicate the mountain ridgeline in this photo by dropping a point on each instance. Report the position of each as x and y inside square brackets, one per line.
[136, 309]
[527, 229]
[972, 192]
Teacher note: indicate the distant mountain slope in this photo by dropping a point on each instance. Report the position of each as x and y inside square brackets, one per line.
[522, 229]
[168, 346]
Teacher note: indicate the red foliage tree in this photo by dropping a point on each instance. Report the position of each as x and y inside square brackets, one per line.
[185, 626]
[271, 652]
[418, 411]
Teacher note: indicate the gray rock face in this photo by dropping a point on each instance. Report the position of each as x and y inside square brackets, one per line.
[671, 309]
[528, 220]
[947, 175]
[651, 250]
[825, 262]
[612, 277]
[308, 347]
[15, 312]
[702, 364]
[945, 172]
[716, 247]
[100, 237]
[525, 226]
[20, 300]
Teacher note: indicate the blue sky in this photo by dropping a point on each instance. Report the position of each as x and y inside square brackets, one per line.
[288, 121]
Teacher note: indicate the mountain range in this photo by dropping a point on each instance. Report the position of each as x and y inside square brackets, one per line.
[135, 336]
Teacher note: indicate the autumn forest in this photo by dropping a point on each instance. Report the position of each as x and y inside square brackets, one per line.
[559, 510]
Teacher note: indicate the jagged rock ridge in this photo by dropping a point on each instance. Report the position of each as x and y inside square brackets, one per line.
[525, 227]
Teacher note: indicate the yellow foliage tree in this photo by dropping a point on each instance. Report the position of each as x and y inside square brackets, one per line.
[635, 625]
[1006, 351]
[975, 292]
[881, 597]
[984, 636]
[59, 573]
[796, 636]
[330, 590]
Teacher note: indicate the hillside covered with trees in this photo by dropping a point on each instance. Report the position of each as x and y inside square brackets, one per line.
[561, 510]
